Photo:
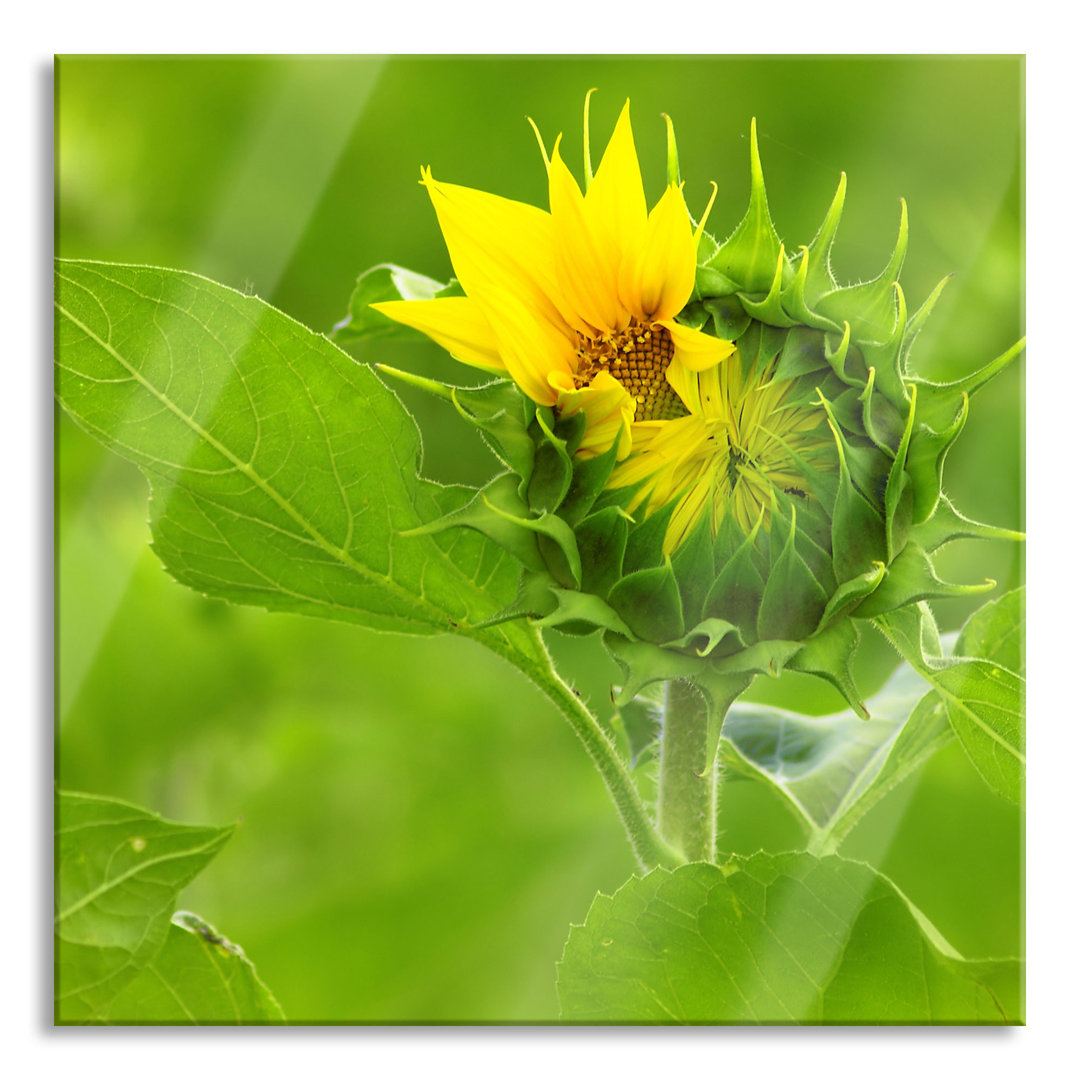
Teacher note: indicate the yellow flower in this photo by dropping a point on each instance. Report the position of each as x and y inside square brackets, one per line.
[731, 454]
[576, 305]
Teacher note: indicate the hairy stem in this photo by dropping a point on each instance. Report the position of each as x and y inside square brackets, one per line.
[649, 847]
[687, 807]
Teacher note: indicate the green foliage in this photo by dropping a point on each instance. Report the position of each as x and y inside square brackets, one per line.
[996, 632]
[198, 977]
[774, 939]
[121, 955]
[283, 473]
[386, 282]
[832, 769]
[984, 701]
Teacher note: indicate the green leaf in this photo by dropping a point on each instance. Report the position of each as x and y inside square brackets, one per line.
[496, 511]
[793, 600]
[947, 523]
[119, 870]
[985, 706]
[198, 977]
[829, 655]
[751, 253]
[649, 603]
[831, 769]
[909, 579]
[386, 282]
[996, 632]
[283, 473]
[985, 701]
[773, 939]
[736, 594]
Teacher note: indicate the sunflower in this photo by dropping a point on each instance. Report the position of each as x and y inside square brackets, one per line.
[576, 304]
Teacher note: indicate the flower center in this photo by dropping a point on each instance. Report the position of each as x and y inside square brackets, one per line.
[638, 358]
[754, 441]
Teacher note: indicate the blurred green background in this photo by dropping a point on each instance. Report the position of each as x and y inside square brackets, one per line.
[419, 827]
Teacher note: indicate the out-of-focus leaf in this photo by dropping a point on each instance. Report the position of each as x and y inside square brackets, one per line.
[774, 939]
[832, 769]
[198, 977]
[119, 870]
[641, 721]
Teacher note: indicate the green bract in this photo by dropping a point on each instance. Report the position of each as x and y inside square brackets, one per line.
[854, 540]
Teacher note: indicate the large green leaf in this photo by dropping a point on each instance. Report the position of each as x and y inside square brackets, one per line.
[774, 939]
[832, 769]
[983, 699]
[119, 870]
[285, 475]
[198, 977]
[282, 472]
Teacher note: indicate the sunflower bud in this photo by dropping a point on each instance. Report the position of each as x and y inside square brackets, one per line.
[715, 454]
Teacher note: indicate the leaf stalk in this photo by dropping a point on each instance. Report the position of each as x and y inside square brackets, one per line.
[649, 847]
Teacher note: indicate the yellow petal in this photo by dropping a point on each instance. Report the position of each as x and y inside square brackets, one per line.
[687, 513]
[713, 404]
[585, 264]
[695, 349]
[685, 383]
[615, 202]
[667, 455]
[658, 281]
[499, 243]
[455, 322]
[531, 347]
[608, 410]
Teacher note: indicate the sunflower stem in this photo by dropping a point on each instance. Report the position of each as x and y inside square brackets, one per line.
[687, 801]
[649, 847]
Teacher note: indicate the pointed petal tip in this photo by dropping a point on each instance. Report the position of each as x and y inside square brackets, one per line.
[585, 139]
[708, 209]
[540, 143]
